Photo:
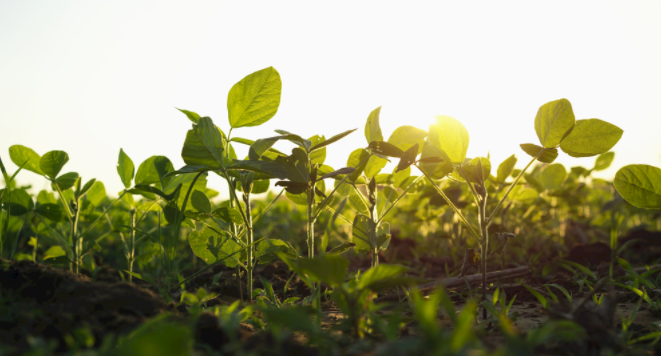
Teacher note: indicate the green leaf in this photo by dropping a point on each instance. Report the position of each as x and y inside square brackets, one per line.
[185, 180]
[19, 202]
[374, 166]
[330, 269]
[49, 211]
[435, 168]
[357, 203]
[363, 232]
[526, 195]
[554, 121]
[505, 169]
[640, 185]
[53, 252]
[342, 248]
[375, 277]
[274, 169]
[26, 158]
[317, 156]
[260, 147]
[450, 137]
[590, 138]
[548, 155]
[192, 116]
[408, 158]
[228, 215]
[604, 161]
[189, 169]
[405, 137]
[268, 249]
[332, 174]
[66, 180]
[539, 296]
[96, 194]
[201, 146]
[258, 186]
[255, 99]
[200, 202]
[153, 170]
[199, 242]
[355, 159]
[125, 168]
[372, 127]
[331, 140]
[552, 176]
[473, 169]
[385, 149]
[383, 236]
[52, 162]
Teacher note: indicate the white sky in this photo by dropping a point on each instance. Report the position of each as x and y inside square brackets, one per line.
[93, 77]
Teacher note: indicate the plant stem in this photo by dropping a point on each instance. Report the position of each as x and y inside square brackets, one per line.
[451, 204]
[386, 211]
[132, 255]
[105, 211]
[249, 236]
[500, 203]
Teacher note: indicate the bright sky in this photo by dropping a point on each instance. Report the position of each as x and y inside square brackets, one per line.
[93, 77]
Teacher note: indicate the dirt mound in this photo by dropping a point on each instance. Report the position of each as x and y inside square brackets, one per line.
[53, 303]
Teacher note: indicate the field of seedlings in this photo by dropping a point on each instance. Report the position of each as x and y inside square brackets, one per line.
[442, 255]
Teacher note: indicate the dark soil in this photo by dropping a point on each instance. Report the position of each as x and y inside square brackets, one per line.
[52, 303]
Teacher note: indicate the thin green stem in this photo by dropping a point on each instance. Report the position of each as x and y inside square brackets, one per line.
[385, 212]
[500, 203]
[105, 211]
[451, 204]
[261, 213]
[249, 235]
[64, 201]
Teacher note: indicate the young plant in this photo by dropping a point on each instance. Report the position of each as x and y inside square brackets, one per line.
[445, 150]
[49, 166]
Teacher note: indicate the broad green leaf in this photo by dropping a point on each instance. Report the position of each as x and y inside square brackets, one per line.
[385, 197]
[374, 166]
[52, 162]
[590, 138]
[199, 242]
[97, 193]
[451, 137]
[330, 269]
[53, 252]
[49, 211]
[372, 127]
[255, 99]
[19, 202]
[125, 168]
[267, 250]
[404, 137]
[331, 140]
[188, 169]
[296, 166]
[258, 186]
[86, 187]
[66, 180]
[436, 170]
[358, 160]
[363, 231]
[45, 197]
[473, 169]
[262, 146]
[552, 176]
[604, 161]
[328, 172]
[505, 169]
[186, 180]
[201, 146]
[379, 274]
[298, 199]
[26, 158]
[385, 149]
[153, 170]
[147, 251]
[317, 156]
[408, 158]
[200, 202]
[383, 236]
[399, 178]
[357, 203]
[548, 155]
[192, 116]
[211, 138]
[640, 185]
[274, 169]
[554, 121]
[228, 215]
[525, 195]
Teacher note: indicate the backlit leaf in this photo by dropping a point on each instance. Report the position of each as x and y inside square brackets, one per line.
[255, 99]
[25, 157]
[52, 162]
[640, 185]
[450, 136]
[372, 127]
[590, 138]
[553, 122]
[548, 155]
